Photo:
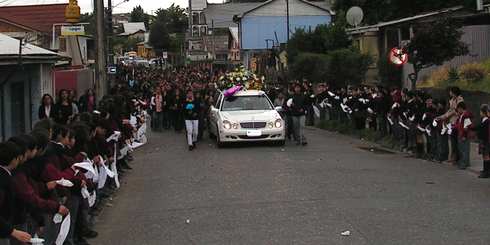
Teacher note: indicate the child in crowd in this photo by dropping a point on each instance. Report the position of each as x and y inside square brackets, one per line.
[464, 125]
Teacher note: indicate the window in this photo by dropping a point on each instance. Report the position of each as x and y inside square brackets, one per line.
[246, 103]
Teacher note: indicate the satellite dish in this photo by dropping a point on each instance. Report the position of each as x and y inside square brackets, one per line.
[354, 16]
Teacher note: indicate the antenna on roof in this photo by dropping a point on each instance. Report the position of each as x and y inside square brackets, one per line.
[354, 16]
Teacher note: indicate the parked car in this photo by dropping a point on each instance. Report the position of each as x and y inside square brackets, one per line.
[246, 116]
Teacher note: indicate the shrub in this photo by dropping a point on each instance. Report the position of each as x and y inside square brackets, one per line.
[347, 67]
[310, 66]
[438, 76]
[472, 72]
[389, 74]
[453, 75]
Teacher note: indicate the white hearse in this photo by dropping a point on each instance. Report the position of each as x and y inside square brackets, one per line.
[248, 115]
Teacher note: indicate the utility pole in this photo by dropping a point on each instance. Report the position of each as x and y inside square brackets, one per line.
[214, 47]
[101, 78]
[287, 17]
[110, 54]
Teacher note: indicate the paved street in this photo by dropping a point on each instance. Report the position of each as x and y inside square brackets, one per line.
[263, 194]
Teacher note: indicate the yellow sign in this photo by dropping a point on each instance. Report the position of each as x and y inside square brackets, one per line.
[72, 30]
[72, 12]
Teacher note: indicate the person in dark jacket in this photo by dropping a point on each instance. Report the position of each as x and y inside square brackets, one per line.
[63, 112]
[87, 102]
[483, 131]
[192, 107]
[298, 111]
[10, 157]
[46, 108]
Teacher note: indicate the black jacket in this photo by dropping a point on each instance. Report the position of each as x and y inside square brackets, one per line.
[299, 105]
[191, 110]
[7, 204]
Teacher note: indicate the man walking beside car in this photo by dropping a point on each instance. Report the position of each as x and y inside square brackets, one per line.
[297, 103]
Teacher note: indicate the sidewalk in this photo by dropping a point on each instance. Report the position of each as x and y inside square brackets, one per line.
[476, 160]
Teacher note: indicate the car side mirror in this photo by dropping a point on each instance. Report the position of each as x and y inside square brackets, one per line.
[279, 109]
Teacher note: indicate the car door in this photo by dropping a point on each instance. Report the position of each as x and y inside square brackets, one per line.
[214, 114]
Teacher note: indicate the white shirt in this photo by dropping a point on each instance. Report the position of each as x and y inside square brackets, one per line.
[47, 110]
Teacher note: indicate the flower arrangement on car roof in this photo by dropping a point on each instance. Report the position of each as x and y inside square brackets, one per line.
[242, 78]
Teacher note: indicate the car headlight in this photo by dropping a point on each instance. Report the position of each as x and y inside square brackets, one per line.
[227, 125]
[278, 123]
[270, 125]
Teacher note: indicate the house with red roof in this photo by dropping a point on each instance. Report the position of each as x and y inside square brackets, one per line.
[32, 22]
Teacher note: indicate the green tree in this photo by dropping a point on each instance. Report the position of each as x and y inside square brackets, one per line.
[89, 18]
[347, 67]
[177, 19]
[435, 44]
[139, 15]
[166, 27]
[160, 38]
[312, 66]
[323, 39]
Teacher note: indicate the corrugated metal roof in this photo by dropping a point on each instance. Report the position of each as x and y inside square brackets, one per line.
[133, 27]
[10, 47]
[222, 14]
[38, 17]
[322, 5]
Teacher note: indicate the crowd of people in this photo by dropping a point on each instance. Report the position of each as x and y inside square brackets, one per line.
[437, 129]
[79, 148]
[55, 179]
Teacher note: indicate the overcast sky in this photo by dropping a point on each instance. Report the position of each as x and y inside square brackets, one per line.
[87, 5]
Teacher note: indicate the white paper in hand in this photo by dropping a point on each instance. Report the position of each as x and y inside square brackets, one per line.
[91, 199]
[317, 111]
[65, 228]
[102, 178]
[64, 182]
[85, 193]
[36, 240]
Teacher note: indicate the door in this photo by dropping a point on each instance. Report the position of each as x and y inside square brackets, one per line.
[213, 115]
[17, 109]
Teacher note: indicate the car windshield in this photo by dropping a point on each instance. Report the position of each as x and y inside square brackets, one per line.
[246, 103]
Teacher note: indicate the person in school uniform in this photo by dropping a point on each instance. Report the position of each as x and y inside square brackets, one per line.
[32, 192]
[464, 125]
[10, 157]
[192, 107]
[483, 131]
[441, 131]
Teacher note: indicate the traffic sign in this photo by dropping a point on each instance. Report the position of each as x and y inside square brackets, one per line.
[111, 70]
[398, 56]
[75, 30]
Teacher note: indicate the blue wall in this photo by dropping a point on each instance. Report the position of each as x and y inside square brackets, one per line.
[256, 29]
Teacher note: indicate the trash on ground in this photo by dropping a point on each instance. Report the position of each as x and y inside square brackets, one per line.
[187, 221]
[345, 233]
